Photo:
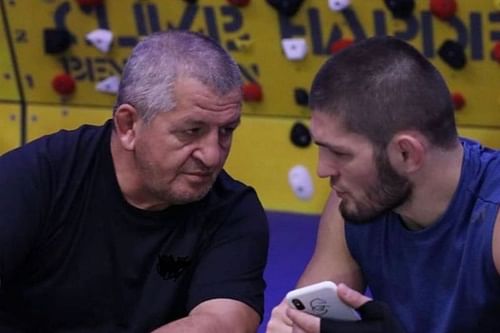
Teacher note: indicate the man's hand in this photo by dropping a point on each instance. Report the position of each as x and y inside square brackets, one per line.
[287, 320]
[279, 322]
[376, 317]
[303, 322]
[351, 297]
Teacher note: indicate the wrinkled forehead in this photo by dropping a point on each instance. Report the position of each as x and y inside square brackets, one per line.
[182, 80]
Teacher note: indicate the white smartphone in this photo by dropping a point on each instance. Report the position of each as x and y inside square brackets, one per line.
[321, 299]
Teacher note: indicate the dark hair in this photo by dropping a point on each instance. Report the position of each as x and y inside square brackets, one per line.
[382, 85]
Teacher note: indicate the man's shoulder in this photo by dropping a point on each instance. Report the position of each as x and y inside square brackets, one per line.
[80, 138]
[56, 145]
[226, 186]
[228, 194]
[55, 159]
[482, 165]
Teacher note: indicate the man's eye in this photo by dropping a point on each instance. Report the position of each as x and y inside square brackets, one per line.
[338, 154]
[192, 131]
[227, 130]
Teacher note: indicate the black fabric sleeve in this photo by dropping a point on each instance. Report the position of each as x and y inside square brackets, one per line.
[376, 317]
[20, 210]
[233, 264]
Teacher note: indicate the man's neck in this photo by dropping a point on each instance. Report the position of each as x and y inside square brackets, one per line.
[434, 188]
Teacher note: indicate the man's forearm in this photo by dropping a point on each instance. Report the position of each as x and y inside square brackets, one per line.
[192, 324]
[216, 316]
[203, 323]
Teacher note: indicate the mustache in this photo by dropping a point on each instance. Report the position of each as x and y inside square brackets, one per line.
[198, 168]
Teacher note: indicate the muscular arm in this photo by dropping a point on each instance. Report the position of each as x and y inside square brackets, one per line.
[217, 315]
[331, 259]
[226, 291]
[496, 243]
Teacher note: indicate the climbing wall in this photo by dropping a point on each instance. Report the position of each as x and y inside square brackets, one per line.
[60, 62]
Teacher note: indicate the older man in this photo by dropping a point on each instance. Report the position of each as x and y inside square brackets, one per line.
[134, 226]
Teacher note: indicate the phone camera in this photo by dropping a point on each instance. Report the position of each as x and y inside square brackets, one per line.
[298, 304]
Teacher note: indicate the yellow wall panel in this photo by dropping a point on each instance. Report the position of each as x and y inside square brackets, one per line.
[10, 127]
[45, 119]
[476, 25]
[8, 85]
[487, 136]
[262, 155]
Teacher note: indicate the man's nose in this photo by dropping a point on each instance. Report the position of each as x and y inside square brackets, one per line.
[327, 169]
[209, 150]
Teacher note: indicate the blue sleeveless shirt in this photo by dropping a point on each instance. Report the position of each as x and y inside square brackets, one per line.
[442, 278]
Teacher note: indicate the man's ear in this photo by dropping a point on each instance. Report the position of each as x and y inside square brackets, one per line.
[407, 152]
[126, 121]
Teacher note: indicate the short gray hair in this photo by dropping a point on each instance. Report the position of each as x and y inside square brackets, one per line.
[156, 63]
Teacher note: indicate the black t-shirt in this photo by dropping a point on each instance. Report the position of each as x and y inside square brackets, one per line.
[76, 257]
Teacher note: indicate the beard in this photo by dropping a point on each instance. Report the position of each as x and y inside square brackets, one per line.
[176, 190]
[390, 191]
[176, 195]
